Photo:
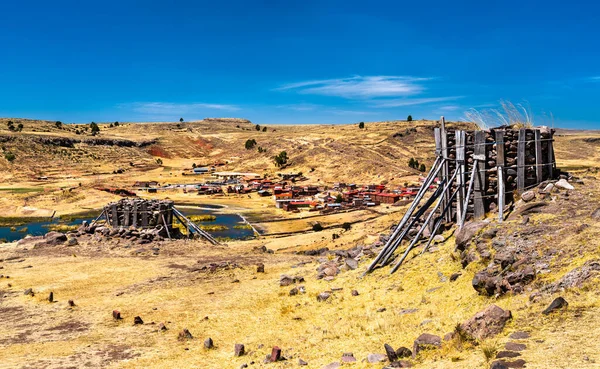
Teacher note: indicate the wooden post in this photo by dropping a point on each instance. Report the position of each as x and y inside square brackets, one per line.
[446, 167]
[437, 136]
[469, 190]
[460, 177]
[550, 157]
[135, 214]
[114, 216]
[500, 168]
[480, 178]
[521, 161]
[125, 215]
[144, 210]
[539, 161]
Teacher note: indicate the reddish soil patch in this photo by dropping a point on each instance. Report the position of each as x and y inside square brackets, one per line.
[156, 150]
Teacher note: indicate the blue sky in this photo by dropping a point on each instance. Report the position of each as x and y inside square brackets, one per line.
[298, 61]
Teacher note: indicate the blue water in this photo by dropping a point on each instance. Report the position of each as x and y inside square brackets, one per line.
[228, 220]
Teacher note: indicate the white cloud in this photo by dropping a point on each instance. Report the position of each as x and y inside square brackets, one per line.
[299, 107]
[449, 108]
[166, 108]
[393, 103]
[595, 79]
[359, 87]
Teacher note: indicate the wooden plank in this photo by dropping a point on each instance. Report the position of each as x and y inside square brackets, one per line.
[539, 161]
[446, 167]
[480, 178]
[125, 216]
[500, 167]
[500, 148]
[144, 211]
[551, 164]
[468, 196]
[114, 216]
[135, 214]
[521, 161]
[460, 177]
[437, 136]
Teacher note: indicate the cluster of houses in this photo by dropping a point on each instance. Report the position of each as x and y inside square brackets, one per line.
[290, 195]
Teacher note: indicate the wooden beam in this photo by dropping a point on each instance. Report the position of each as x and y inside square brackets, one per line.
[460, 177]
[480, 177]
[551, 164]
[144, 210]
[446, 167]
[470, 189]
[539, 161]
[114, 216]
[521, 161]
[500, 168]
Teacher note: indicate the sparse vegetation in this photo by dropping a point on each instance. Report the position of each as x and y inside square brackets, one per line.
[409, 118]
[361, 125]
[94, 128]
[9, 156]
[281, 159]
[250, 144]
[422, 167]
[317, 227]
[257, 127]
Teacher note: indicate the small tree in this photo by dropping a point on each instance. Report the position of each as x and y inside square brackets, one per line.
[159, 161]
[411, 162]
[346, 226]
[9, 156]
[281, 159]
[339, 198]
[58, 124]
[409, 118]
[116, 124]
[181, 119]
[250, 144]
[194, 165]
[264, 129]
[20, 127]
[257, 127]
[317, 227]
[422, 168]
[361, 125]
[94, 128]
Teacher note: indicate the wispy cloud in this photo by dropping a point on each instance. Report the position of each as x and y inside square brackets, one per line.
[299, 107]
[449, 108]
[359, 87]
[167, 108]
[393, 103]
[595, 79]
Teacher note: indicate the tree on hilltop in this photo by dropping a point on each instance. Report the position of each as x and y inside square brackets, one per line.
[409, 118]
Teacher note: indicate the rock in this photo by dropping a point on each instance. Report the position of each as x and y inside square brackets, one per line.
[116, 315]
[332, 366]
[549, 188]
[504, 259]
[501, 364]
[390, 352]
[424, 342]
[302, 362]
[528, 196]
[275, 354]
[578, 276]
[376, 358]
[348, 357]
[138, 320]
[54, 238]
[71, 303]
[185, 335]
[519, 335]
[468, 231]
[354, 293]
[381, 310]
[506, 354]
[260, 268]
[51, 297]
[403, 352]
[239, 350]
[489, 233]
[454, 276]
[498, 365]
[562, 183]
[596, 214]
[558, 303]
[512, 346]
[286, 280]
[162, 327]
[208, 343]
[323, 296]
[28, 292]
[528, 208]
[72, 241]
[401, 364]
[487, 323]
[351, 263]
[294, 291]
[438, 238]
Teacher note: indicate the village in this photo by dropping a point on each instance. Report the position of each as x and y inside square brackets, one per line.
[290, 192]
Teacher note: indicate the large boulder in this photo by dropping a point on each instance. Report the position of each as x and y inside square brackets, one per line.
[487, 323]
[54, 238]
[468, 232]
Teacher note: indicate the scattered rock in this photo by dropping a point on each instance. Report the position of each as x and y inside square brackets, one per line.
[558, 303]
[185, 335]
[302, 362]
[348, 357]
[578, 276]
[438, 238]
[390, 352]
[403, 352]
[162, 327]
[381, 310]
[138, 320]
[28, 292]
[376, 358]
[512, 346]
[596, 214]
[498, 365]
[332, 366]
[424, 342]
[275, 354]
[468, 232]
[286, 280]
[351, 263]
[239, 350]
[487, 323]
[401, 364]
[294, 291]
[54, 238]
[562, 183]
[71, 303]
[528, 196]
[501, 364]
[454, 276]
[208, 343]
[354, 293]
[323, 296]
[519, 335]
[260, 268]
[116, 315]
[507, 354]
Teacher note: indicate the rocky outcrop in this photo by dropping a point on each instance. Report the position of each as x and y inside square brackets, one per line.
[487, 323]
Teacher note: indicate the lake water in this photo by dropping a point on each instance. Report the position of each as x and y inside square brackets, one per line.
[227, 220]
